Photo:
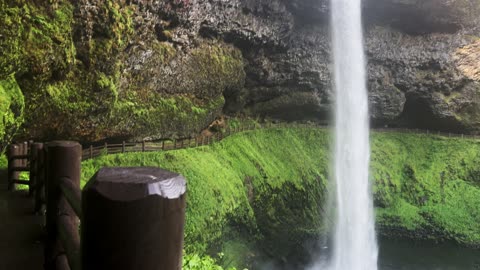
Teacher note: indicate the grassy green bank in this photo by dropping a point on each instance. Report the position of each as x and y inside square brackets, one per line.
[247, 192]
[427, 186]
[261, 190]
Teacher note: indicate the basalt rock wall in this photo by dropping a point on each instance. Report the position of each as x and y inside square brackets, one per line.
[92, 70]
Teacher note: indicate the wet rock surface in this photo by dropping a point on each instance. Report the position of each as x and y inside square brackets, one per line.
[422, 56]
[169, 68]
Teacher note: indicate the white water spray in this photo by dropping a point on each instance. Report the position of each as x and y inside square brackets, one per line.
[355, 246]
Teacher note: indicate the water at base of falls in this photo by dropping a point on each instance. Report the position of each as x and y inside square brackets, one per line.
[354, 241]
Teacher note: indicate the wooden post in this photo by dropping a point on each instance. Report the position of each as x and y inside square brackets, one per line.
[63, 161]
[174, 143]
[143, 146]
[123, 147]
[13, 150]
[36, 150]
[163, 145]
[25, 153]
[91, 151]
[39, 175]
[181, 144]
[20, 149]
[106, 148]
[133, 218]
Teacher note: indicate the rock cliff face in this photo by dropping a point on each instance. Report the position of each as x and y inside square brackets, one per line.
[92, 70]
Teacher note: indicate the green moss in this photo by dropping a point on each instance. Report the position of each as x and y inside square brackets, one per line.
[429, 184]
[36, 39]
[164, 50]
[165, 116]
[63, 84]
[196, 262]
[228, 181]
[11, 43]
[264, 185]
[217, 63]
[3, 162]
[11, 110]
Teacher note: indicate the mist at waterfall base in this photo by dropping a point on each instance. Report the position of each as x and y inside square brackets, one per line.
[354, 240]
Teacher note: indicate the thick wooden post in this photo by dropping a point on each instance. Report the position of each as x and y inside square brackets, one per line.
[174, 143]
[63, 162]
[13, 150]
[133, 219]
[143, 146]
[123, 147]
[39, 175]
[35, 151]
[163, 145]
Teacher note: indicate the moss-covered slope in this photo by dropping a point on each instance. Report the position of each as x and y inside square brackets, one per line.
[266, 188]
[427, 186]
[262, 185]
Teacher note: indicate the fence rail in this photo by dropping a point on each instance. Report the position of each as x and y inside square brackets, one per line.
[23, 157]
[174, 144]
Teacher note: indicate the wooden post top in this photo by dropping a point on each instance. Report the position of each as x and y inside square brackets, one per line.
[135, 183]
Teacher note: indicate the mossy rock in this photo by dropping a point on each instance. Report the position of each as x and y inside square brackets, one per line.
[11, 110]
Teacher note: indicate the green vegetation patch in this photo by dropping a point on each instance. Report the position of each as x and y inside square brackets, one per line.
[230, 186]
[11, 110]
[265, 189]
[428, 185]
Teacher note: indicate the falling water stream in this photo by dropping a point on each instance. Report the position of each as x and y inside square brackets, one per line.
[355, 246]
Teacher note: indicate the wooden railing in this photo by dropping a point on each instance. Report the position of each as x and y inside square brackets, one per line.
[173, 144]
[18, 156]
[130, 218]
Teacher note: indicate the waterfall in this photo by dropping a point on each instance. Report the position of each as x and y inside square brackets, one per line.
[354, 246]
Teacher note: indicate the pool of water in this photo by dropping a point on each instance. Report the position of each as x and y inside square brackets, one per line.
[396, 255]
[409, 255]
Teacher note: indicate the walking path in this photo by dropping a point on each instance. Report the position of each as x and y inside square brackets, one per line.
[21, 246]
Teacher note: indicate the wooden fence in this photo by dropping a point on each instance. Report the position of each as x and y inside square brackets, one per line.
[129, 219]
[28, 157]
[18, 156]
[165, 145]
[172, 144]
